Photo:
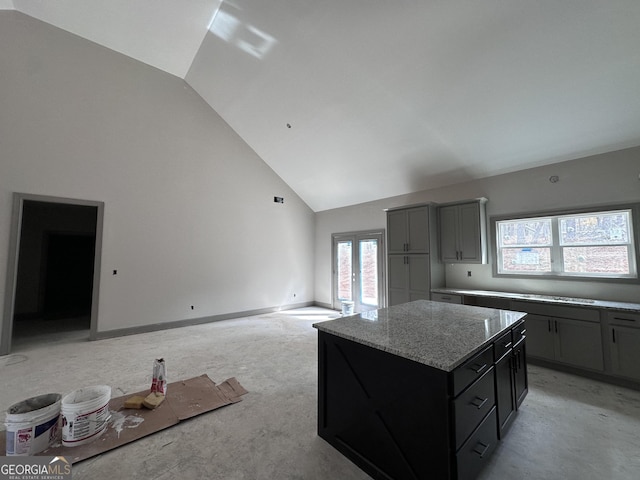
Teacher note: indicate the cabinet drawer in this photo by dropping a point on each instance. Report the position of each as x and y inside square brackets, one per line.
[560, 311]
[468, 372]
[625, 319]
[519, 333]
[473, 405]
[446, 298]
[475, 453]
[502, 346]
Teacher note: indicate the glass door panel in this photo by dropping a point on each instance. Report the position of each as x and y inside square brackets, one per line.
[369, 273]
[344, 269]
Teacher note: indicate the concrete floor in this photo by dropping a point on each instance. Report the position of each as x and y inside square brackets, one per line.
[568, 428]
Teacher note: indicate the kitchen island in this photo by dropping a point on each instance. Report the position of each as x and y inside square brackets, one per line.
[421, 390]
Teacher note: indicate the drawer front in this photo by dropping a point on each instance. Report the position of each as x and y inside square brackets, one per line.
[475, 453]
[502, 346]
[625, 319]
[519, 333]
[559, 311]
[446, 298]
[473, 405]
[472, 369]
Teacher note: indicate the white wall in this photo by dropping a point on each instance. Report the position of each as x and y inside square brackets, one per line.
[189, 211]
[600, 179]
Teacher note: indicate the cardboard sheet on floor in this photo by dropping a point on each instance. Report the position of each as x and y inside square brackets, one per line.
[185, 399]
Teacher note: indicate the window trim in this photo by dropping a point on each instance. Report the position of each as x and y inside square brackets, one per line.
[635, 227]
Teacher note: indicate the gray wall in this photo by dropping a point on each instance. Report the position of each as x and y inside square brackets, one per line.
[596, 180]
[189, 213]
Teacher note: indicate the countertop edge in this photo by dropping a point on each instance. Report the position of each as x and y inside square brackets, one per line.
[531, 297]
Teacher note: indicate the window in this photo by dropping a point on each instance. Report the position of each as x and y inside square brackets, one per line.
[595, 244]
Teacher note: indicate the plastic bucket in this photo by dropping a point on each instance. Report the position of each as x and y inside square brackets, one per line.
[347, 308]
[32, 425]
[85, 415]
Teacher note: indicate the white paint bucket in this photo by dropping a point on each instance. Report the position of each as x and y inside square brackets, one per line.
[32, 425]
[85, 415]
[347, 308]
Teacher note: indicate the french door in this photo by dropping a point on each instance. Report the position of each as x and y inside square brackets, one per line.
[358, 270]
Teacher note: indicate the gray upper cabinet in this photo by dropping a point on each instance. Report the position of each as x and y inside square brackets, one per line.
[408, 230]
[462, 228]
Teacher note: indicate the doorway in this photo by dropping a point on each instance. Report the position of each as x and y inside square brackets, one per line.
[53, 270]
[358, 270]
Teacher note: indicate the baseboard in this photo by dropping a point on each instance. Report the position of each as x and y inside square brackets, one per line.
[323, 305]
[602, 377]
[154, 327]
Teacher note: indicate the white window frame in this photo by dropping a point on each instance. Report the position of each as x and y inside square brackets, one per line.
[557, 261]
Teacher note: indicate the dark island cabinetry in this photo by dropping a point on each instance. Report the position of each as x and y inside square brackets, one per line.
[399, 418]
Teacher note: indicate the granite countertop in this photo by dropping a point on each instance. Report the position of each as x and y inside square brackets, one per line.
[555, 299]
[436, 334]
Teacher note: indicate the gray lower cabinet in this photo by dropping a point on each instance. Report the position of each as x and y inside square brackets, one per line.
[573, 342]
[446, 298]
[409, 278]
[624, 344]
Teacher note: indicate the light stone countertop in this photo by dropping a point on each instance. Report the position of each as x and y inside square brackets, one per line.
[553, 299]
[436, 334]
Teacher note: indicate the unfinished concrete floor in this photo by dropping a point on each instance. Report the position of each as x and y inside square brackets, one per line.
[569, 427]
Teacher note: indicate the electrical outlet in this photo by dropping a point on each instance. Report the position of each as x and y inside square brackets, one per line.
[468, 273]
[191, 307]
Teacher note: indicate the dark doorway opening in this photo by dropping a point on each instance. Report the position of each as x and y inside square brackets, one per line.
[54, 283]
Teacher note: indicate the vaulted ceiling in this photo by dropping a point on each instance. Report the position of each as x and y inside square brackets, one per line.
[355, 100]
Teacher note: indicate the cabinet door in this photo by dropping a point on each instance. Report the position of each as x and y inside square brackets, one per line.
[540, 337]
[469, 232]
[398, 281]
[418, 266]
[520, 378]
[625, 351]
[448, 226]
[418, 230]
[397, 231]
[506, 405]
[578, 343]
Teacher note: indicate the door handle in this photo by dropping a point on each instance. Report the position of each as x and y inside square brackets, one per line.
[613, 333]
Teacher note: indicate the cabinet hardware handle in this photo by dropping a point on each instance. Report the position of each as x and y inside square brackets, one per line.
[524, 330]
[625, 319]
[475, 403]
[613, 332]
[506, 345]
[556, 323]
[485, 448]
[549, 324]
[482, 367]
